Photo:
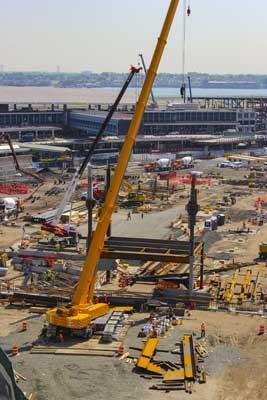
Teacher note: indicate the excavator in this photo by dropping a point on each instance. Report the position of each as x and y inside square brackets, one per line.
[65, 230]
[76, 318]
[134, 197]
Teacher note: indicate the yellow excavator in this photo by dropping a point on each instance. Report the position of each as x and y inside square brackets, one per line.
[77, 317]
[134, 196]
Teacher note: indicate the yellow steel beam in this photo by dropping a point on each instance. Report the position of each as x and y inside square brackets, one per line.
[245, 285]
[198, 249]
[97, 243]
[231, 291]
[257, 281]
[188, 357]
[176, 375]
[147, 353]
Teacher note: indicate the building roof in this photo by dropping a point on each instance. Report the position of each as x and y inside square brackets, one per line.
[46, 147]
[4, 149]
[102, 114]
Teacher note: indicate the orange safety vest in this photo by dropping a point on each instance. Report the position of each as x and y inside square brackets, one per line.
[203, 327]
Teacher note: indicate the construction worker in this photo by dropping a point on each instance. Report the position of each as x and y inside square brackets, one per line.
[57, 246]
[129, 216]
[43, 333]
[106, 299]
[8, 285]
[142, 215]
[60, 337]
[202, 330]
[192, 306]
[3, 259]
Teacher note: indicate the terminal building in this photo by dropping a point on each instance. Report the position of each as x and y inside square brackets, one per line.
[45, 121]
[73, 128]
[164, 122]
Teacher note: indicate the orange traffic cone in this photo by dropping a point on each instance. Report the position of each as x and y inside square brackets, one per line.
[261, 329]
[15, 350]
[121, 349]
[24, 325]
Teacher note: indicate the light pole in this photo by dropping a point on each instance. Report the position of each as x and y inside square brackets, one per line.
[192, 209]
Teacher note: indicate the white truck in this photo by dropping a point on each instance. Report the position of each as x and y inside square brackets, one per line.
[164, 164]
[8, 206]
[187, 162]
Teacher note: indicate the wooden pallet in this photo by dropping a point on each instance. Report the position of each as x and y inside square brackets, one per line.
[73, 352]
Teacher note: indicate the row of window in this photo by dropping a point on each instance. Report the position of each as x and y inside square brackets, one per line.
[35, 119]
[179, 116]
[187, 129]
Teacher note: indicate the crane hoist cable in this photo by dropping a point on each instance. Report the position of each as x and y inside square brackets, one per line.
[186, 13]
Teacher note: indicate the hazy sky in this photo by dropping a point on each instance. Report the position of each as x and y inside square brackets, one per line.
[224, 36]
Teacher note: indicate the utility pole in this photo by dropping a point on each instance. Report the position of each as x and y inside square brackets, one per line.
[192, 210]
[89, 204]
[190, 89]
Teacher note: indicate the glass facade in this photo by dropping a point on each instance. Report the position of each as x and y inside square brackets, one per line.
[31, 118]
[92, 124]
[188, 122]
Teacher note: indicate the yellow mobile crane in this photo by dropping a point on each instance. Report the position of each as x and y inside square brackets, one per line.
[78, 315]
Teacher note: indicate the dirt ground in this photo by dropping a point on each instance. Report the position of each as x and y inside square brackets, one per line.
[236, 365]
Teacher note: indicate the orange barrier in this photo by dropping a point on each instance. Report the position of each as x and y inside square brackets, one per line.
[84, 182]
[187, 179]
[14, 189]
[259, 201]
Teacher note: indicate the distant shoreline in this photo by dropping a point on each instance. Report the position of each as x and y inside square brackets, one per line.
[48, 94]
[208, 87]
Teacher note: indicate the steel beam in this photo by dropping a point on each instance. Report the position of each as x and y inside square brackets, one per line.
[136, 255]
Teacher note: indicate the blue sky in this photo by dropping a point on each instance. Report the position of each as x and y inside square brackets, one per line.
[224, 36]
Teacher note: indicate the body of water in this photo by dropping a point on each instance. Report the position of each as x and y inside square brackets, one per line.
[13, 94]
[202, 92]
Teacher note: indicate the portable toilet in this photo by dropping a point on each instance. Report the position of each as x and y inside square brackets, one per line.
[213, 223]
[220, 219]
[207, 225]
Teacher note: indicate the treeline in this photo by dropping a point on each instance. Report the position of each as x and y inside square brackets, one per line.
[89, 79]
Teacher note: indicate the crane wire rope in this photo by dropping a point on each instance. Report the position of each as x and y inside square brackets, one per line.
[184, 42]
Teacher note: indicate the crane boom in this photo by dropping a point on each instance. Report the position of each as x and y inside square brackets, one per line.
[79, 315]
[145, 70]
[76, 177]
[97, 243]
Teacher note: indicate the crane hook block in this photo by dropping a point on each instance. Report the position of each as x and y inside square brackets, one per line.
[188, 11]
[135, 69]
